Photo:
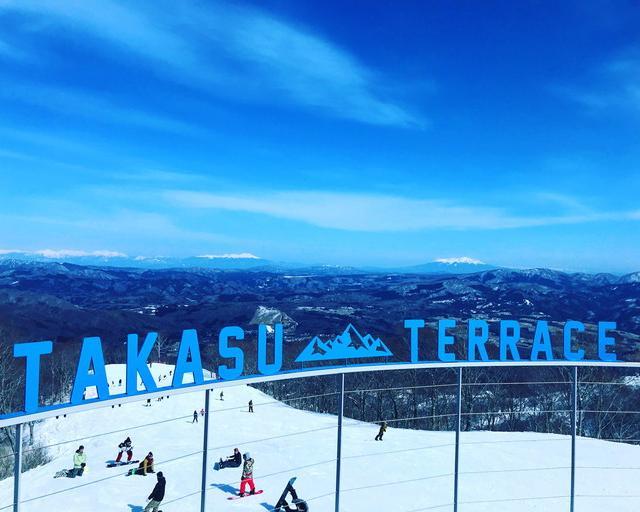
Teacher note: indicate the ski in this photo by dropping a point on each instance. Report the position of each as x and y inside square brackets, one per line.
[247, 495]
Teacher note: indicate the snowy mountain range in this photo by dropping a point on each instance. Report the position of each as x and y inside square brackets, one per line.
[234, 261]
[348, 345]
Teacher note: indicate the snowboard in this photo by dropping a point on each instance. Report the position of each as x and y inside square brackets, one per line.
[116, 464]
[238, 497]
[283, 496]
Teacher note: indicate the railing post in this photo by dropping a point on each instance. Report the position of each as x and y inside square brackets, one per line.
[339, 448]
[17, 468]
[205, 452]
[574, 428]
[457, 454]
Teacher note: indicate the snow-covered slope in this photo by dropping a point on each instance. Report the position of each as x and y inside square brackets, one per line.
[408, 471]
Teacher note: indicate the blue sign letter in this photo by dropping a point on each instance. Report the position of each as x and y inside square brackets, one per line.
[541, 342]
[188, 360]
[231, 352]
[509, 342]
[263, 367]
[477, 341]
[414, 325]
[90, 372]
[569, 354]
[605, 341]
[32, 351]
[137, 363]
[444, 339]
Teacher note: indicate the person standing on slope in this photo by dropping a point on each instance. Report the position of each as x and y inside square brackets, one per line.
[250, 405]
[157, 495]
[247, 475]
[195, 417]
[127, 447]
[79, 462]
[383, 429]
[222, 396]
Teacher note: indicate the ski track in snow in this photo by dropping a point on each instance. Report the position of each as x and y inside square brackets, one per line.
[286, 442]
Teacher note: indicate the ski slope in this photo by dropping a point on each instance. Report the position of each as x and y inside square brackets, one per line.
[408, 471]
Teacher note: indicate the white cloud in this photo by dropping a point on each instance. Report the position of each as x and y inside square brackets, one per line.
[231, 50]
[85, 105]
[614, 85]
[373, 213]
[65, 253]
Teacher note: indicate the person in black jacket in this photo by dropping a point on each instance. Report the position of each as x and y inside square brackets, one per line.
[157, 495]
[235, 461]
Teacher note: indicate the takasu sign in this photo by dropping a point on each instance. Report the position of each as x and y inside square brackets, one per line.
[345, 350]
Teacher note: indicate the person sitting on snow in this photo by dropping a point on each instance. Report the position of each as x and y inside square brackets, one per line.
[79, 463]
[234, 461]
[146, 466]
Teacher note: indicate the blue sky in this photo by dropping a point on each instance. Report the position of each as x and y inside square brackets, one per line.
[324, 132]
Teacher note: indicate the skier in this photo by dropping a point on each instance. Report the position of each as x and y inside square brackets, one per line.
[250, 405]
[222, 396]
[195, 417]
[233, 461]
[383, 429]
[157, 495]
[125, 446]
[146, 466]
[79, 463]
[247, 475]
[202, 412]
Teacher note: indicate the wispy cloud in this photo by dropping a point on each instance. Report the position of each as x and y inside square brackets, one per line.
[374, 213]
[101, 109]
[66, 253]
[233, 50]
[614, 85]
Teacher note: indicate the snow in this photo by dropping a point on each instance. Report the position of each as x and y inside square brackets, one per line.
[409, 471]
[462, 259]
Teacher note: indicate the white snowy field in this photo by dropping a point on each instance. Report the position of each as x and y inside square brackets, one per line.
[407, 472]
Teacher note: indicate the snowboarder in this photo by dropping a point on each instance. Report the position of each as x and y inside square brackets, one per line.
[250, 405]
[157, 495]
[234, 461]
[202, 412]
[222, 396]
[247, 475]
[146, 466]
[79, 463]
[195, 417]
[127, 447]
[383, 429]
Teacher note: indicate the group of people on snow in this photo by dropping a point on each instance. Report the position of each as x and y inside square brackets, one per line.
[234, 461]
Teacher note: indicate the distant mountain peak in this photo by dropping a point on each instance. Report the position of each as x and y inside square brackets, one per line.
[230, 256]
[462, 259]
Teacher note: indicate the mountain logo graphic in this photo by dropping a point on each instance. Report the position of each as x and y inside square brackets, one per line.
[348, 345]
